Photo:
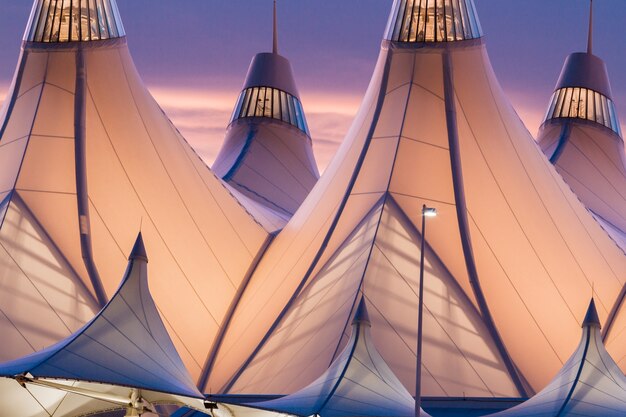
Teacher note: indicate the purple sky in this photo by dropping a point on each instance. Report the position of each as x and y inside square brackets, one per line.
[193, 54]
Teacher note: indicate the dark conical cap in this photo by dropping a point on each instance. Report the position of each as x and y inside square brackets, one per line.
[591, 318]
[139, 250]
[362, 316]
[270, 69]
[62, 21]
[582, 69]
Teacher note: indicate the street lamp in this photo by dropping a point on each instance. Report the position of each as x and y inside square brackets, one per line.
[426, 212]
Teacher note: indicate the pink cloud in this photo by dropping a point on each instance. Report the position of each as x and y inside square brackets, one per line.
[202, 117]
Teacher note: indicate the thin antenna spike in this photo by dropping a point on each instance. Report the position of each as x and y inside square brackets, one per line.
[590, 35]
[275, 46]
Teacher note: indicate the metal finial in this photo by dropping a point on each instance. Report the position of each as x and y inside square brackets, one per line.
[275, 46]
[590, 35]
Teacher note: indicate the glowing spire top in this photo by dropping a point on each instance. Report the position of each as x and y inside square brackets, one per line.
[420, 21]
[57, 21]
[275, 46]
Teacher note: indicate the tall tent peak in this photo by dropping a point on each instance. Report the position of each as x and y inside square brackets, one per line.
[139, 250]
[425, 21]
[362, 316]
[60, 21]
[591, 318]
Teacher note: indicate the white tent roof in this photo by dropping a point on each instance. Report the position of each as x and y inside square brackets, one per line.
[79, 130]
[590, 383]
[125, 346]
[513, 251]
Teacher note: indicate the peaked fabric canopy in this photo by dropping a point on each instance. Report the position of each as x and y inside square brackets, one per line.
[87, 156]
[513, 251]
[590, 383]
[125, 347]
[357, 383]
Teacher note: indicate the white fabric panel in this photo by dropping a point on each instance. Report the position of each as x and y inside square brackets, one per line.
[358, 382]
[55, 114]
[34, 72]
[592, 163]
[590, 384]
[56, 213]
[275, 166]
[60, 69]
[21, 121]
[35, 278]
[11, 155]
[55, 157]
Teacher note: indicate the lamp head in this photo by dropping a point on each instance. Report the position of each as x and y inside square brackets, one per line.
[429, 212]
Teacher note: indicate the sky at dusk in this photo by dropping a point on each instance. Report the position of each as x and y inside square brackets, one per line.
[194, 54]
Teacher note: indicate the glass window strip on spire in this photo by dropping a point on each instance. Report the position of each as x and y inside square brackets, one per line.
[74, 21]
[414, 21]
[585, 104]
[270, 103]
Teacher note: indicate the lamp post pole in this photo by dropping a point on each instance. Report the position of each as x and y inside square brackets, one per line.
[426, 212]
